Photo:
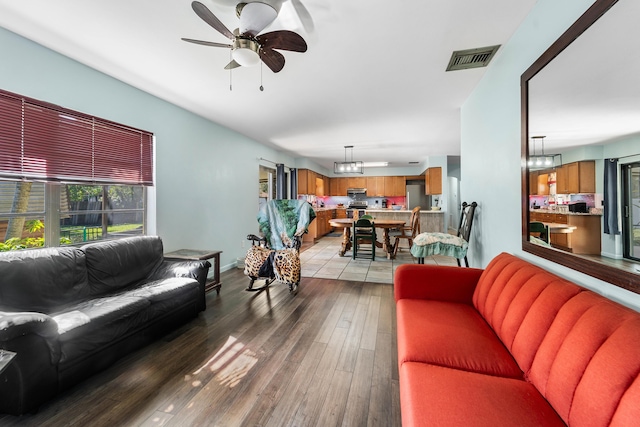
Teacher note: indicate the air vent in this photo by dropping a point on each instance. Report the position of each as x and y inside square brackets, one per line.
[472, 58]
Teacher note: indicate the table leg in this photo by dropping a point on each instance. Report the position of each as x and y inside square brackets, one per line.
[388, 247]
[215, 283]
[346, 241]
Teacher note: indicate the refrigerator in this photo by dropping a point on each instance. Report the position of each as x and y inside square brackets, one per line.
[416, 197]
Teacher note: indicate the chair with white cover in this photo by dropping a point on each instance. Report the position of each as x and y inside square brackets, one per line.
[427, 244]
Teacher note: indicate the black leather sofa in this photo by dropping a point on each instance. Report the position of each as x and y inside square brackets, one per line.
[69, 312]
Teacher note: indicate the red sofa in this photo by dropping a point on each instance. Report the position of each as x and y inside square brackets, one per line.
[513, 345]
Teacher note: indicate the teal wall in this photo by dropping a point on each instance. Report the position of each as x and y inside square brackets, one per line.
[490, 144]
[206, 192]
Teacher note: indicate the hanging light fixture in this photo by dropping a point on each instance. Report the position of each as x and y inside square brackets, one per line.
[540, 161]
[348, 166]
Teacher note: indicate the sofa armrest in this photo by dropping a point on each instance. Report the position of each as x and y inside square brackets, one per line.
[442, 283]
[17, 326]
[195, 269]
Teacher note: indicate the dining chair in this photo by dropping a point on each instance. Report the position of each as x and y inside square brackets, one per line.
[364, 231]
[427, 244]
[539, 230]
[408, 232]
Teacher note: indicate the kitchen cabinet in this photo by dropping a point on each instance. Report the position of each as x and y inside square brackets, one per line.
[584, 240]
[576, 177]
[533, 183]
[321, 189]
[375, 186]
[543, 184]
[395, 186]
[356, 182]
[306, 182]
[337, 186]
[320, 226]
[433, 181]
[310, 182]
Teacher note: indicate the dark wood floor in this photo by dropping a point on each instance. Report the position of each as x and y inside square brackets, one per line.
[325, 357]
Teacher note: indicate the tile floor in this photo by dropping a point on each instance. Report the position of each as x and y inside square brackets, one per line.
[322, 260]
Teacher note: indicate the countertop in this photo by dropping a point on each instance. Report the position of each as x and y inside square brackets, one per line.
[402, 211]
[551, 211]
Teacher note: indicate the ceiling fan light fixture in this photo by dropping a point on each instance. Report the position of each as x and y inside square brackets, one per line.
[245, 52]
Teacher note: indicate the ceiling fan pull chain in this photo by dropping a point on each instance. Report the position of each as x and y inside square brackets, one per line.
[261, 87]
[230, 74]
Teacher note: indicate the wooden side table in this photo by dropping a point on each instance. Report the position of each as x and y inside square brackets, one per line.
[195, 254]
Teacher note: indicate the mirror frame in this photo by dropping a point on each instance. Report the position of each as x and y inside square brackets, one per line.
[615, 276]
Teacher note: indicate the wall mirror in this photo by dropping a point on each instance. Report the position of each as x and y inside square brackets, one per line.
[580, 108]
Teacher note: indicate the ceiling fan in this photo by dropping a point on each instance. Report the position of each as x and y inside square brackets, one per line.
[248, 46]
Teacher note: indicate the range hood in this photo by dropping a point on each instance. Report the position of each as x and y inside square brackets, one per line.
[356, 191]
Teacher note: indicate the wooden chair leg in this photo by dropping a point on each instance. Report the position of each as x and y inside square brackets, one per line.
[395, 246]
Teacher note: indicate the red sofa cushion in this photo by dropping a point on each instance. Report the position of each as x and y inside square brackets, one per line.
[588, 365]
[436, 396]
[579, 349]
[450, 334]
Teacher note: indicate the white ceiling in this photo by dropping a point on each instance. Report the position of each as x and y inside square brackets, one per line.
[373, 76]
[589, 94]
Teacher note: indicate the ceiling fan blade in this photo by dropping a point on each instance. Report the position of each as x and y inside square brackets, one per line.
[304, 15]
[207, 16]
[255, 17]
[274, 60]
[231, 65]
[283, 39]
[214, 44]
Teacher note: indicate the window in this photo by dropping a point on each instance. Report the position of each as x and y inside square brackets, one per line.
[631, 210]
[68, 177]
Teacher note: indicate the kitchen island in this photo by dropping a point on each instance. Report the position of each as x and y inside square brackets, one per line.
[584, 237]
[430, 221]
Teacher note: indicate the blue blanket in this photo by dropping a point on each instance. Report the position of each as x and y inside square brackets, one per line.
[281, 221]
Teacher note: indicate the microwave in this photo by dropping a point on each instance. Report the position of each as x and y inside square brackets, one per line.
[578, 207]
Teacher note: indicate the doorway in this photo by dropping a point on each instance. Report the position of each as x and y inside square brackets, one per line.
[631, 210]
[266, 185]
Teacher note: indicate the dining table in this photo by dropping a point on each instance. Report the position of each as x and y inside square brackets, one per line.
[385, 224]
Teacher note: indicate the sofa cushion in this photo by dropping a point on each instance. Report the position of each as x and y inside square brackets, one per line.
[42, 279]
[452, 335]
[588, 366]
[167, 289]
[437, 396]
[116, 264]
[579, 349]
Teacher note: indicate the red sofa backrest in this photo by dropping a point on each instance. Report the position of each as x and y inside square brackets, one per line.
[579, 349]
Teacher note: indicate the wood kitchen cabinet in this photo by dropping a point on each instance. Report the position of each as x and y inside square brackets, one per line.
[576, 177]
[320, 226]
[375, 186]
[306, 182]
[357, 182]
[337, 186]
[395, 186]
[533, 183]
[433, 181]
[543, 184]
[310, 182]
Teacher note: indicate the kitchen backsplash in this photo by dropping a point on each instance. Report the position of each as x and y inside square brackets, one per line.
[373, 202]
[592, 200]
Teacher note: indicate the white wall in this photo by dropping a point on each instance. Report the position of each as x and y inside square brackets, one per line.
[490, 144]
[206, 175]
